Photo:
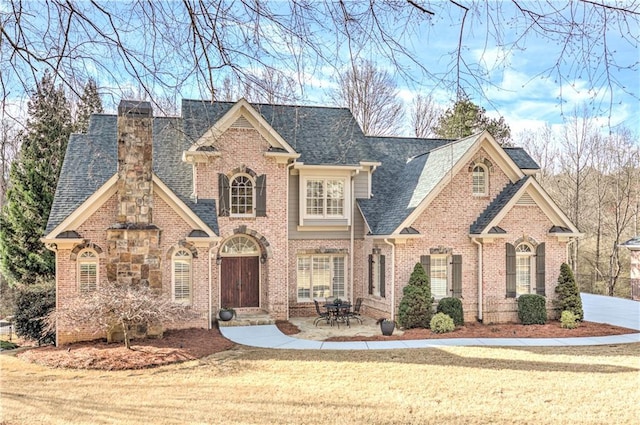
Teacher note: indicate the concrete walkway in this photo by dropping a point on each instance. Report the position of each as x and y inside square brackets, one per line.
[597, 308]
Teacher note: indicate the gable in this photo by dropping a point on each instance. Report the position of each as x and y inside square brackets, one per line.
[449, 160]
[241, 116]
[525, 193]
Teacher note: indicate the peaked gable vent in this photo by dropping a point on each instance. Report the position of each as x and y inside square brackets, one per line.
[241, 122]
[526, 200]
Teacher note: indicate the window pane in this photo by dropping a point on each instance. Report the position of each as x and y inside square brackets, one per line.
[335, 197]
[321, 275]
[479, 180]
[338, 276]
[439, 276]
[182, 280]
[315, 197]
[241, 195]
[240, 245]
[523, 274]
[304, 277]
[88, 275]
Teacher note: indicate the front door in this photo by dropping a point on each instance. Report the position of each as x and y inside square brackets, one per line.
[240, 282]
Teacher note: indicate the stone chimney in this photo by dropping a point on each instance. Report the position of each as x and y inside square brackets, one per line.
[133, 249]
[135, 164]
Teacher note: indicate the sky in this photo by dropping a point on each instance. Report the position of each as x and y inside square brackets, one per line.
[530, 81]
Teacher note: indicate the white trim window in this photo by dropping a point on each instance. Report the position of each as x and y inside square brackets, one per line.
[320, 276]
[439, 276]
[242, 196]
[480, 180]
[181, 276]
[87, 271]
[524, 269]
[325, 198]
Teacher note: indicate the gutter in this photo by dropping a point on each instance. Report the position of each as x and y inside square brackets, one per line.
[480, 294]
[393, 278]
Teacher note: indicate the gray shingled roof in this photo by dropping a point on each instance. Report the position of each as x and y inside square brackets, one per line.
[91, 160]
[522, 158]
[409, 184]
[494, 208]
[321, 135]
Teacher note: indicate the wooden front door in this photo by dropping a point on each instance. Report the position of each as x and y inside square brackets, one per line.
[240, 282]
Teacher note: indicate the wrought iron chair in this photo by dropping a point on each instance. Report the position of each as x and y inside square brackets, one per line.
[321, 315]
[354, 313]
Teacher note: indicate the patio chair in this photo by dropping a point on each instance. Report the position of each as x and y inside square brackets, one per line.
[354, 313]
[321, 315]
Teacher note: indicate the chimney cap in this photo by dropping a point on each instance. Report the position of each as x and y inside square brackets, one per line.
[135, 107]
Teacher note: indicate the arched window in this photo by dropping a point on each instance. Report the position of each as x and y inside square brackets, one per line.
[240, 246]
[524, 257]
[480, 180]
[181, 274]
[241, 194]
[87, 270]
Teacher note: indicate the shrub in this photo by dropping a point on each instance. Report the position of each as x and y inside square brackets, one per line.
[33, 303]
[568, 293]
[453, 308]
[568, 320]
[415, 307]
[442, 323]
[532, 309]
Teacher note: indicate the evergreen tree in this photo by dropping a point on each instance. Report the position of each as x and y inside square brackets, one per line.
[568, 293]
[32, 180]
[90, 103]
[466, 118]
[415, 310]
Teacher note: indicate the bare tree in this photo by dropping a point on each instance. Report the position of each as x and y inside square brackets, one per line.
[166, 47]
[119, 307]
[425, 114]
[621, 198]
[9, 148]
[372, 97]
[266, 86]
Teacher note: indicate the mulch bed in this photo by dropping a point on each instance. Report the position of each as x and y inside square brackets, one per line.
[504, 330]
[191, 344]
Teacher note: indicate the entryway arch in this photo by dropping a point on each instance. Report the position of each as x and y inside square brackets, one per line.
[240, 272]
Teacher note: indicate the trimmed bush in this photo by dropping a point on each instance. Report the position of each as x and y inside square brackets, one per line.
[532, 309]
[416, 304]
[452, 307]
[568, 293]
[442, 323]
[568, 320]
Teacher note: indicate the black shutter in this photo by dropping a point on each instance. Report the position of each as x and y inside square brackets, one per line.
[370, 274]
[261, 196]
[223, 195]
[456, 276]
[540, 269]
[511, 270]
[381, 272]
[425, 260]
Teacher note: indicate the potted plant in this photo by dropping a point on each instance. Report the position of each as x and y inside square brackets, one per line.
[337, 301]
[386, 326]
[226, 313]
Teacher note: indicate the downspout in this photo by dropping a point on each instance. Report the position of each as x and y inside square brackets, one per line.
[480, 295]
[352, 236]
[393, 278]
[210, 287]
[289, 166]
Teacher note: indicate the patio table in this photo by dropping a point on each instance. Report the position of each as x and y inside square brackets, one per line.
[338, 313]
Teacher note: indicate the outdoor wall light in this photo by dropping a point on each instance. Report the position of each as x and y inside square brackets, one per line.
[219, 259]
[376, 250]
[263, 258]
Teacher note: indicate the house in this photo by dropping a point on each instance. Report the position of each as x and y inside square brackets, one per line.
[266, 207]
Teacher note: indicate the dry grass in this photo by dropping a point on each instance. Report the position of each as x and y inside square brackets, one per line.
[461, 385]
